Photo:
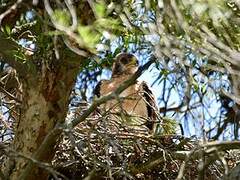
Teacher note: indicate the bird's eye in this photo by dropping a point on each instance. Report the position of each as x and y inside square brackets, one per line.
[137, 63]
[124, 60]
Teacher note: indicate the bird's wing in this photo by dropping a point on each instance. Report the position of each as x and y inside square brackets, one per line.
[97, 93]
[103, 88]
[151, 106]
[97, 89]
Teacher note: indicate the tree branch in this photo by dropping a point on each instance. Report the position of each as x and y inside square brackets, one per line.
[50, 139]
[12, 153]
[10, 10]
[196, 153]
[7, 48]
[112, 95]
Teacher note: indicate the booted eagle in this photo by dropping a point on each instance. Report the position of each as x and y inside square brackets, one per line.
[135, 108]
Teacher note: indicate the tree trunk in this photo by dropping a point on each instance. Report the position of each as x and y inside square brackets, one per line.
[46, 90]
[45, 102]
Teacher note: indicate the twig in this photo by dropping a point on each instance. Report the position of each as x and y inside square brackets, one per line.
[209, 149]
[9, 95]
[73, 13]
[10, 10]
[69, 31]
[112, 95]
[46, 166]
[50, 139]
[7, 48]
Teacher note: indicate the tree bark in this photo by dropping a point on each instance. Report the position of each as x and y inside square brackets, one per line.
[45, 102]
[45, 99]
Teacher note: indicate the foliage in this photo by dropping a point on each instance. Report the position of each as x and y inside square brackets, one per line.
[195, 45]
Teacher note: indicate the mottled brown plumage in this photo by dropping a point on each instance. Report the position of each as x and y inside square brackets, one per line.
[135, 107]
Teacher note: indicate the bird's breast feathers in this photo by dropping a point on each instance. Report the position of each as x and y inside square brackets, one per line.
[130, 100]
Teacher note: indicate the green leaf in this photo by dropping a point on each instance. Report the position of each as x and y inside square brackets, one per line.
[61, 17]
[107, 23]
[8, 30]
[100, 9]
[168, 126]
[204, 88]
[19, 55]
[89, 36]
[195, 85]
[164, 72]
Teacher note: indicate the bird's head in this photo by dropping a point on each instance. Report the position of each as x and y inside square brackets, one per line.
[125, 63]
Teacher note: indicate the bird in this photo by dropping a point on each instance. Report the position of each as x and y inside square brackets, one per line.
[135, 108]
